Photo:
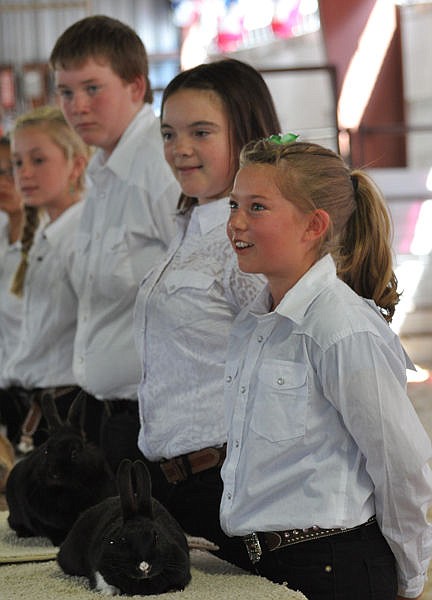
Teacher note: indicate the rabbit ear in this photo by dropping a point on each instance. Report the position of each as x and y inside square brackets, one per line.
[50, 412]
[133, 481]
[124, 484]
[143, 489]
[76, 413]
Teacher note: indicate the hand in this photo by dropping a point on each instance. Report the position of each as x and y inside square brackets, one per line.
[12, 205]
[10, 201]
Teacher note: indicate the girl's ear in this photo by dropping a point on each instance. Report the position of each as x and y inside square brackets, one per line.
[319, 223]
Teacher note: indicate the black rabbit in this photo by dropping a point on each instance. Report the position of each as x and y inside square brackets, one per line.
[51, 486]
[129, 544]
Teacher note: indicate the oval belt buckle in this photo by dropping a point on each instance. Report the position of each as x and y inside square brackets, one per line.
[253, 547]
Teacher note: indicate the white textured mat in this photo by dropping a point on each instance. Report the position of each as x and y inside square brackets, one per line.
[212, 578]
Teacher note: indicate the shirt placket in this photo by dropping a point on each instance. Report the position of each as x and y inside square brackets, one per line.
[243, 399]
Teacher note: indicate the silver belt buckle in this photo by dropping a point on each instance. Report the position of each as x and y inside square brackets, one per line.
[253, 547]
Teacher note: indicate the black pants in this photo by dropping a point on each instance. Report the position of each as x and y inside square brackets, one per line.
[119, 432]
[195, 504]
[357, 565]
[14, 407]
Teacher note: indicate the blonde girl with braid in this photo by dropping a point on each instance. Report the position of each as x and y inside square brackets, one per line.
[49, 162]
[326, 478]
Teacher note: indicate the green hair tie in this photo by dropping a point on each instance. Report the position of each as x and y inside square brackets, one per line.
[288, 138]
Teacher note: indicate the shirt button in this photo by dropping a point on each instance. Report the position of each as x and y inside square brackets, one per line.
[237, 443]
[229, 495]
[280, 381]
[229, 379]
[260, 339]
[243, 389]
[81, 360]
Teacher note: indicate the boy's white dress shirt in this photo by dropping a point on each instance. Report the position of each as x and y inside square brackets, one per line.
[126, 226]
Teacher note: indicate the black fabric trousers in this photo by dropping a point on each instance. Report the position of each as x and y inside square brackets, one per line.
[14, 407]
[195, 504]
[357, 565]
[119, 432]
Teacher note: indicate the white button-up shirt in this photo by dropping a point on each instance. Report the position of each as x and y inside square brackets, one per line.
[126, 226]
[184, 313]
[10, 305]
[321, 431]
[43, 356]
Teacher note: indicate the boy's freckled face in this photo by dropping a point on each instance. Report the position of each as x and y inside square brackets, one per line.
[98, 104]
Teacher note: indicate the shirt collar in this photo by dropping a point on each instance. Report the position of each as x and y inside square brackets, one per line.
[297, 300]
[55, 230]
[206, 217]
[123, 155]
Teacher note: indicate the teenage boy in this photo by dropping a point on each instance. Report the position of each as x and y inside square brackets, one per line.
[101, 76]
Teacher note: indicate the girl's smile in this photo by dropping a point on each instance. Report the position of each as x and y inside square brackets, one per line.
[269, 234]
[198, 149]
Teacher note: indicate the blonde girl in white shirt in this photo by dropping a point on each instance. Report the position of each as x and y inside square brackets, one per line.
[49, 161]
[326, 478]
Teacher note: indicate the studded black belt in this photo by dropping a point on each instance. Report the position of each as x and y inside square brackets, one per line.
[274, 540]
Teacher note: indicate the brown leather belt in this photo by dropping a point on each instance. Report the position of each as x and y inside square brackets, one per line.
[274, 540]
[181, 467]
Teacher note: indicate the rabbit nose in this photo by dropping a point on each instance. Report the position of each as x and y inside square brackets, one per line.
[144, 567]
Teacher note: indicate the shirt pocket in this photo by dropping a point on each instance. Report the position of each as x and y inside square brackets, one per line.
[281, 401]
[116, 275]
[178, 280]
[189, 295]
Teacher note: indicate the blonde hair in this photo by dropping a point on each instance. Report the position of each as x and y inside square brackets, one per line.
[51, 121]
[360, 233]
[31, 223]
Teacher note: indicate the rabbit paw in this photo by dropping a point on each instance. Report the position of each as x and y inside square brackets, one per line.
[103, 587]
[200, 543]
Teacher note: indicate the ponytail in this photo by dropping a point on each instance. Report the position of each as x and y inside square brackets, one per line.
[364, 257]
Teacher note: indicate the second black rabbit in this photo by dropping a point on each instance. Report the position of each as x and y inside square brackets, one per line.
[51, 486]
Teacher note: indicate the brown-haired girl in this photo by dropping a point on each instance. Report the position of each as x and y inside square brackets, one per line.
[326, 477]
[186, 306]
